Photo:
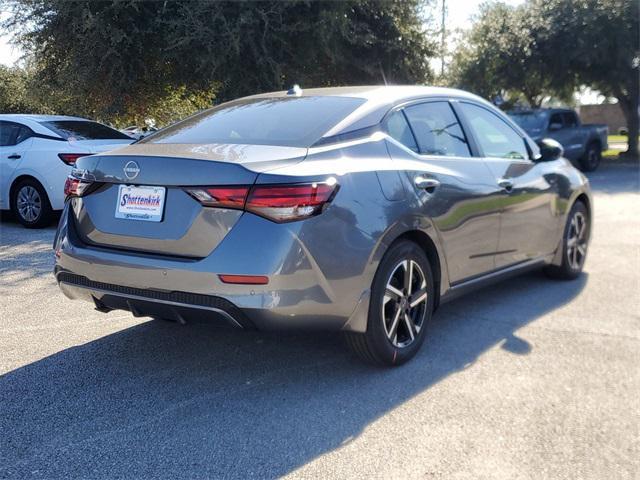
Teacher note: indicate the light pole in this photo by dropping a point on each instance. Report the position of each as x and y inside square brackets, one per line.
[442, 42]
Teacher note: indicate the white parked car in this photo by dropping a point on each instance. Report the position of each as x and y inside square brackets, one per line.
[37, 152]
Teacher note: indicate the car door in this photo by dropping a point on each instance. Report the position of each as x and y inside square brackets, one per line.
[528, 198]
[575, 141]
[14, 141]
[559, 130]
[454, 188]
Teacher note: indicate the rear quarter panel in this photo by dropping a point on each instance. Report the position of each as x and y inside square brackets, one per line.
[371, 210]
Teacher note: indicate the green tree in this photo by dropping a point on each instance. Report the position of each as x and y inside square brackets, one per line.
[20, 92]
[12, 90]
[551, 48]
[499, 57]
[120, 56]
[594, 43]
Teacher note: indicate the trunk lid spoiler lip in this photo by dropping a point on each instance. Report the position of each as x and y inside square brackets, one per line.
[254, 158]
[175, 171]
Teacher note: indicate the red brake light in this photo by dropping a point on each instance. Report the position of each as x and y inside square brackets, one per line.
[280, 203]
[284, 203]
[228, 197]
[71, 158]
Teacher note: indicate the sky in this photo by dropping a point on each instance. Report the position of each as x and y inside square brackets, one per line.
[8, 54]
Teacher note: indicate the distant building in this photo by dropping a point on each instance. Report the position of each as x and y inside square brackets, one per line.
[607, 113]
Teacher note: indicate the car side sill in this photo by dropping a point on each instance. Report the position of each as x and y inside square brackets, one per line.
[467, 286]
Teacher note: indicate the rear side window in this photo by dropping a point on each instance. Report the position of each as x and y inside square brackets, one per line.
[84, 130]
[13, 133]
[398, 128]
[437, 129]
[495, 136]
[293, 122]
[556, 119]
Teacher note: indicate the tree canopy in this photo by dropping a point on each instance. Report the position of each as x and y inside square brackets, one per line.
[594, 43]
[122, 57]
[552, 47]
[498, 57]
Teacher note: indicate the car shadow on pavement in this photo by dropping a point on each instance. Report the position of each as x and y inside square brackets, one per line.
[162, 400]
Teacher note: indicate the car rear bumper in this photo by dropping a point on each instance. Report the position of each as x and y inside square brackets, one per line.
[178, 306]
[299, 294]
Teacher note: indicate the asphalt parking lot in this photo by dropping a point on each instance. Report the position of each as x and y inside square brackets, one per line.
[531, 378]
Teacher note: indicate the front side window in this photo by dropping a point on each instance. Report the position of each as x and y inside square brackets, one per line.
[437, 130]
[283, 121]
[398, 128]
[495, 136]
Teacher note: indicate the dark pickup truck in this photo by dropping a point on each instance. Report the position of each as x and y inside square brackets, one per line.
[583, 144]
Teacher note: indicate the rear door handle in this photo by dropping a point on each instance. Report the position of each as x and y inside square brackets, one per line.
[505, 184]
[14, 156]
[428, 184]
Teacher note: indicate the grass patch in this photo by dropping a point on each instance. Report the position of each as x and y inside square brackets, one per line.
[617, 138]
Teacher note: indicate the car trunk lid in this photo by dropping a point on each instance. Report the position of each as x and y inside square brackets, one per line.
[184, 228]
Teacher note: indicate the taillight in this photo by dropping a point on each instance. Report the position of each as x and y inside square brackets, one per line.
[284, 203]
[280, 203]
[75, 187]
[228, 197]
[71, 158]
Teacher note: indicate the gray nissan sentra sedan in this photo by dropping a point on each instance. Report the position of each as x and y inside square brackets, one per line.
[359, 209]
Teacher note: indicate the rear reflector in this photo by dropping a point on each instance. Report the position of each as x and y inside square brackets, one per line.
[71, 158]
[280, 203]
[245, 279]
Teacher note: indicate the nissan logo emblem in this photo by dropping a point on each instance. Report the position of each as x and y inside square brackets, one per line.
[131, 170]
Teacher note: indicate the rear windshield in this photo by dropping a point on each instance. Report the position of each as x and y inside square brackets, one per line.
[84, 130]
[293, 122]
[529, 121]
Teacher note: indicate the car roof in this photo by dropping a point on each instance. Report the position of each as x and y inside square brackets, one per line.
[382, 93]
[39, 118]
[34, 121]
[379, 99]
[525, 111]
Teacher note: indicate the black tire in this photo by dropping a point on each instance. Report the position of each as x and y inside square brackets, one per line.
[591, 158]
[38, 212]
[570, 269]
[375, 345]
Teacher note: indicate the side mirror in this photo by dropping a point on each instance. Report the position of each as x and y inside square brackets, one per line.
[555, 126]
[550, 150]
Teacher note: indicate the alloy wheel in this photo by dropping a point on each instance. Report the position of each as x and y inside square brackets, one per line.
[577, 241]
[29, 203]
[404, 305]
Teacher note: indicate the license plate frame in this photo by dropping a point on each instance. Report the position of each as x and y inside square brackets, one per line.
[142, 203]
